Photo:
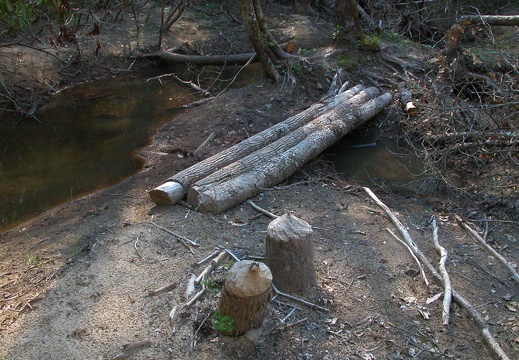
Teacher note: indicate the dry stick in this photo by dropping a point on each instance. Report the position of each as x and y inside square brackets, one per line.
[130, 349]
[298, 299]
[447, 288]
[183, 240]
[135, 246]
[209, 257]
[261, 210]
[214, 263]
[209, 138]
[231, 254]
[476, 236]
[422, 271]
[478, 319]
[163, 289]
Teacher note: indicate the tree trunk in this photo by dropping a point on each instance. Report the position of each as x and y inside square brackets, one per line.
[267, 49]
[289, 253]
[280, 159]
[347, 15]
[245, 296]
[231, 59]
[176, 187]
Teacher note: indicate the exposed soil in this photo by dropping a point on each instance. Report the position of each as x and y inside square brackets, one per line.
[75, 281]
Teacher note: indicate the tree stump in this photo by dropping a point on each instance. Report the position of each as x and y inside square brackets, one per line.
[289, 253]
[245, 296]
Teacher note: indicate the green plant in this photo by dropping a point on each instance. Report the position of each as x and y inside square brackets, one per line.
[347, 62]
[33, 260]
[222, 323]
[370, 42]
[20, 14]
[338, 33]
[228, 264]
[211, 285]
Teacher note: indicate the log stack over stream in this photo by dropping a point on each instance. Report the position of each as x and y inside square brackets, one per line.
[267, 158]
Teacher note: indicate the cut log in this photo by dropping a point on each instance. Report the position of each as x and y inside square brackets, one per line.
[245, 296]
[280, 159]
[406, 99]
[176, 187]
[289, 253]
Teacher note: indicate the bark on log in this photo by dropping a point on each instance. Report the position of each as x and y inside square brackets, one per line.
[289, 253]
[202, 60]
[277, 161]
[176, 187]
[245, 296]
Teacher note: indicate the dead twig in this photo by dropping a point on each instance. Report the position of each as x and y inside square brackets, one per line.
[130, 349]
[214, 263]
[162, 289]
[476, 236]
[413, 255]
[261, 210]
[209, 257]
[447, 288]
[209, 138]
[183, 240]
[474, 313]
[298, 299]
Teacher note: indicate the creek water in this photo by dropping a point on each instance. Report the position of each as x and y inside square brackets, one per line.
[86, 138]
[83, 139]
[369, 160]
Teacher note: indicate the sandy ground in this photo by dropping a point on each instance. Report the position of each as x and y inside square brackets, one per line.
[75, 282]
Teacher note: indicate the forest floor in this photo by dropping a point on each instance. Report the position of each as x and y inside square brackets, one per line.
[77, 281]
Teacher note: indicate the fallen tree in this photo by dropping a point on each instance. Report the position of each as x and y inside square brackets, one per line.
[232, 176]
[202, 60]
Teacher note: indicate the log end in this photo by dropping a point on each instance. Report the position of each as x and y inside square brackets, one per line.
[288, 227]
[248, 278]
[168, 193]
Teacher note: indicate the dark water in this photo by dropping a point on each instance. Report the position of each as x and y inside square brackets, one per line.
[86, 137]
[368, 160]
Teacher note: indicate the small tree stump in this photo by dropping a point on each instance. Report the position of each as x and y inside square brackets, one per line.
[245, 296]
[289, 253]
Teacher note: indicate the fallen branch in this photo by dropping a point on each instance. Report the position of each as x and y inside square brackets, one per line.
[209, 138]
[214, 263]
[209, 257]
[162, 289]
[183, 240]
[413, 255]
[447, 288]
[261, 210]
[203, 60]
[130, 349]
[476, 236]
[478, 319]
[298, 299]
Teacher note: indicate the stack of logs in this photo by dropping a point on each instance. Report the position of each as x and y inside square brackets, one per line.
[265, 159]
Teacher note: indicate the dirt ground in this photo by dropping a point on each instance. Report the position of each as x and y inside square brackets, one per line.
[75, 281]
